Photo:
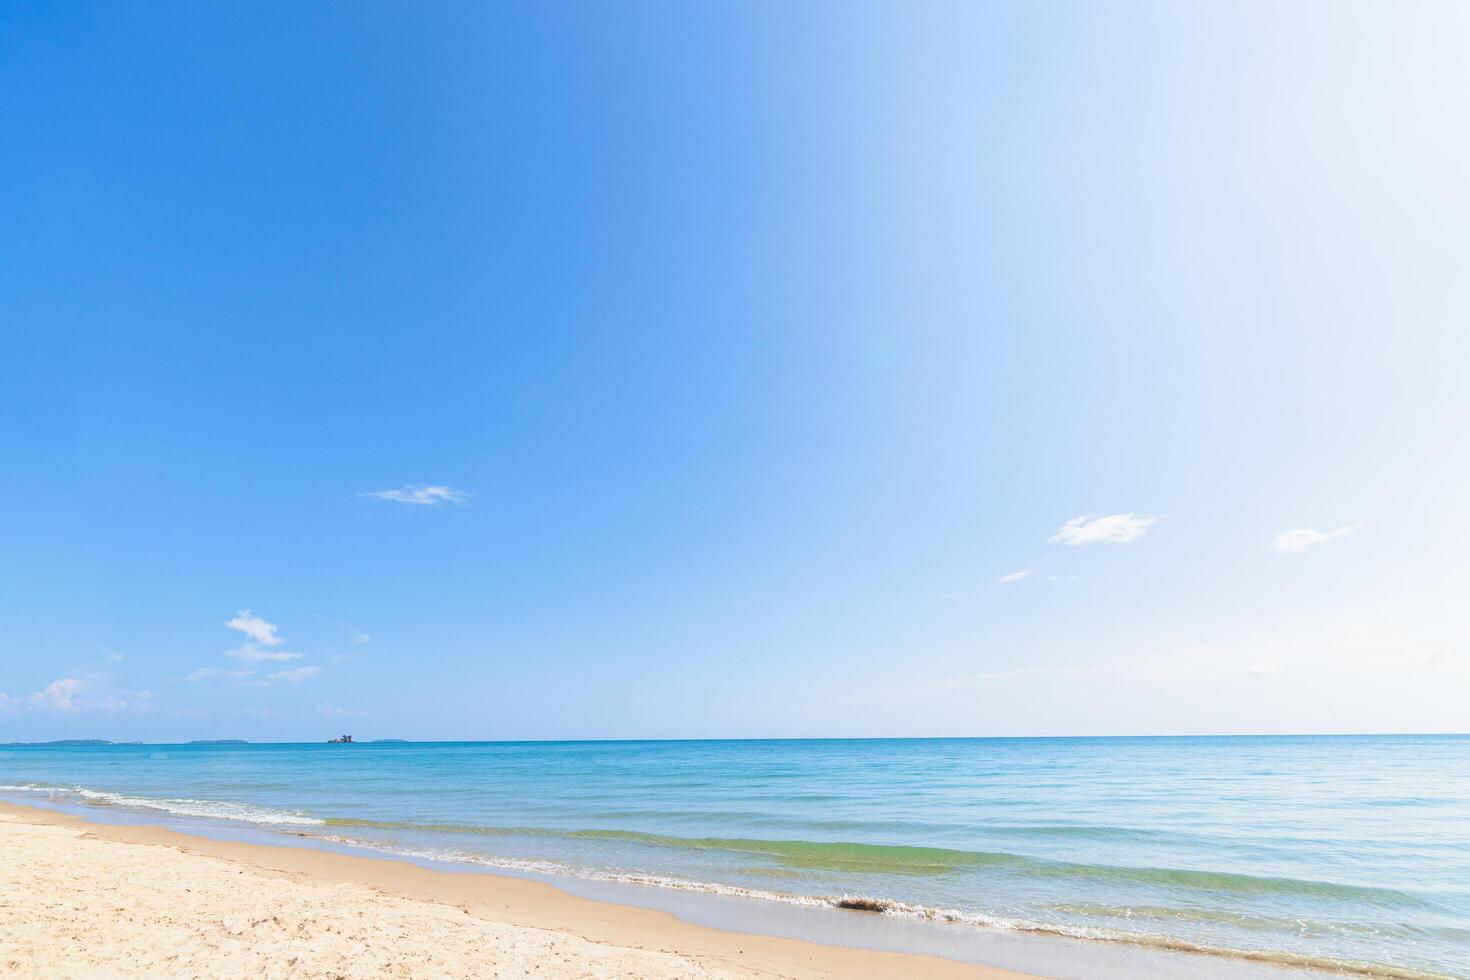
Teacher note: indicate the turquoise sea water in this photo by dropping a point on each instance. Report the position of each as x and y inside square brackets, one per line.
[1345, 852]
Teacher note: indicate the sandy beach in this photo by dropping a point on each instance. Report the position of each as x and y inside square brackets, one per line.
[79, 899]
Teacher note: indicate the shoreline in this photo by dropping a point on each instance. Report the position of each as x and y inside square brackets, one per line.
[609, 939]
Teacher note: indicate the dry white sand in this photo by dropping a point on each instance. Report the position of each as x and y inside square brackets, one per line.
[84, 900]
[78, 907]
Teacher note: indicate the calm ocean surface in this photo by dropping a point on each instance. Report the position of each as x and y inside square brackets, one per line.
[1349, 852]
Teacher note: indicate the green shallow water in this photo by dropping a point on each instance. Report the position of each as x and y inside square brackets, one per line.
[907, 859]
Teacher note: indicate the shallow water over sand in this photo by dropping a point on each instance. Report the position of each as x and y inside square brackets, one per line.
[1348, 852]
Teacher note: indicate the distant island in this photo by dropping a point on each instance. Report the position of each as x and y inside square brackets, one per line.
[62, 742]
[93, 742]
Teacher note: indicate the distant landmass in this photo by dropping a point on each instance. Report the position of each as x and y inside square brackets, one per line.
[83, 742]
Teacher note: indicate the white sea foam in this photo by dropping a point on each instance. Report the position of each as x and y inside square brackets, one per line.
[210, 809]
[903, 909]
[239, 812]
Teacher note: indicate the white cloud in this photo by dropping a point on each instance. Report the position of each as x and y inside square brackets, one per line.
[1013, 577]
[113, 656]
[91, 692]
[251, 654]
[205, 673]
[295, 675]
[1288, 542]
[254, 627]
[8, 703]
[261, 633]
[429, 495]
[329, 710]
[59, 694]
[1114, 528]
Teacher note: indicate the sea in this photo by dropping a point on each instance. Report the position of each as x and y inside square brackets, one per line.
[1085, 858]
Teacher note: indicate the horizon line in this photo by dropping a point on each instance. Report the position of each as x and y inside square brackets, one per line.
[104, 742]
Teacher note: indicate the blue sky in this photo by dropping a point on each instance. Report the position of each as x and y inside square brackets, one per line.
[582, 370]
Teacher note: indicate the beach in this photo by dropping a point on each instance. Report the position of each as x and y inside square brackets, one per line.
[1089, 859]
[834, 489]
[97, 900]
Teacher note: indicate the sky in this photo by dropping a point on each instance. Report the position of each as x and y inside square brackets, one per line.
[573, 370]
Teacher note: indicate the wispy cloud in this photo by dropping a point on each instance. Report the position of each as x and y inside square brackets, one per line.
[206, 673]
[1288, 542]
[190, 714]
[294, 676]
[329, 710]
[428, 495]
[8, 703]
[253, 655]
[90, 692]
[1013, 577]
[248, 678]
[355, 636]
[1114, 528]
[254, 627]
